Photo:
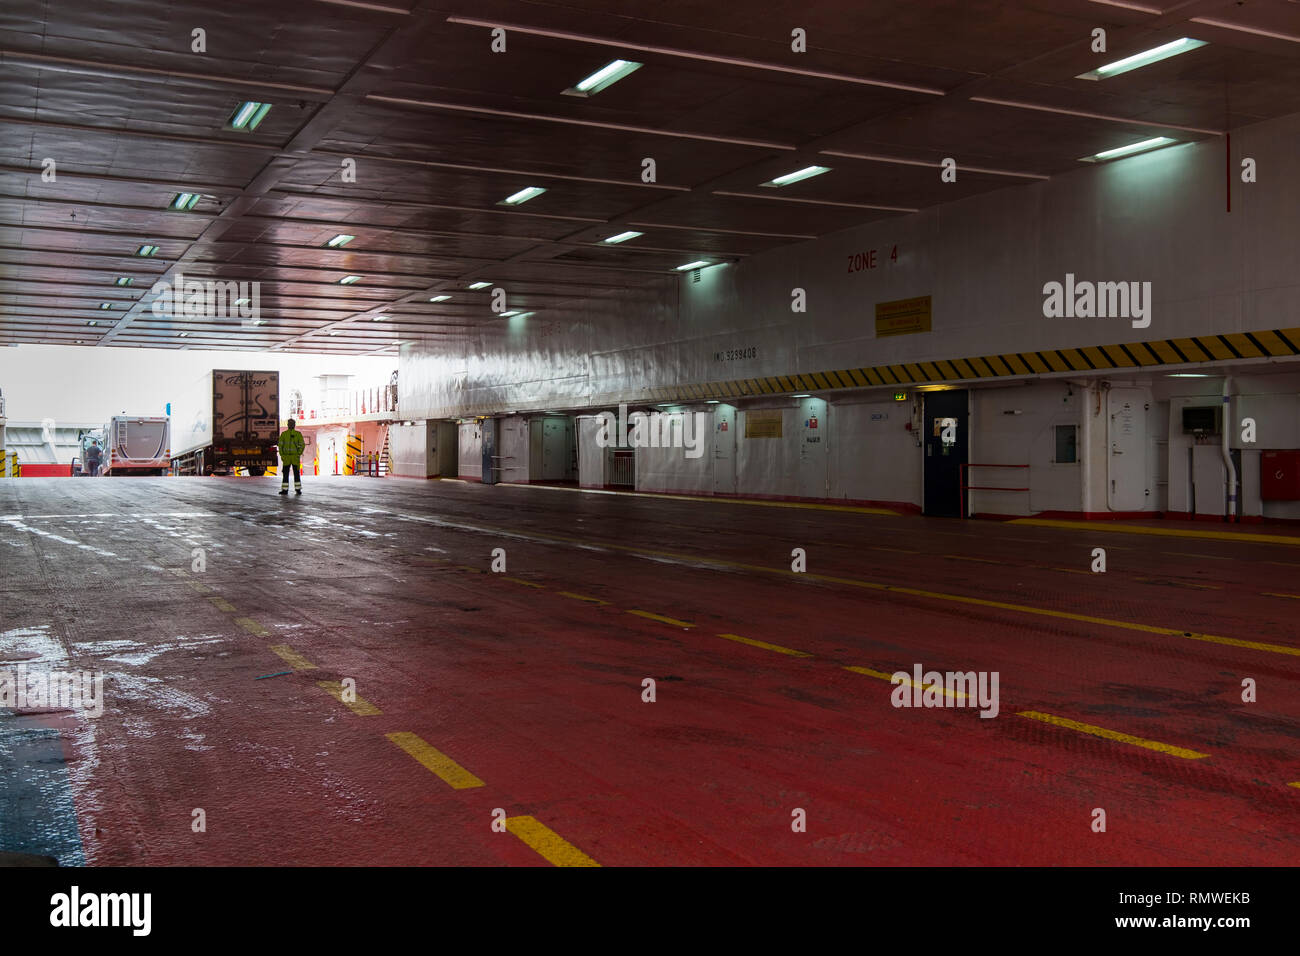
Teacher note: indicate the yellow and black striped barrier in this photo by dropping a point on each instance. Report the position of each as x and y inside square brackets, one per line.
[354, 449]
[1278, 343]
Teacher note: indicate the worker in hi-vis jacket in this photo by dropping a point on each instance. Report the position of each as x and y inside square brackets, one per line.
[291, 446]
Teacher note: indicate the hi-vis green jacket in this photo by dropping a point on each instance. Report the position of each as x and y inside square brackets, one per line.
[291, 446]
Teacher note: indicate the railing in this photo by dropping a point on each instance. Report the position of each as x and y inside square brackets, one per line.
[622, 468]
[962, 488]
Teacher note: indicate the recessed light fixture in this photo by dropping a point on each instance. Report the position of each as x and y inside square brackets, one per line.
[334, 332]
[622, 237]
[123, 280]
[184, 201]
[697, 264]
[93, 322]
[606, 76]
[1142, 147]
[1145, 58]
[349, 280]
[146, 251]
[378, 318]
[106, 305]
[440, 298]
[479, 285]
[808, 172]
[242, 301]
[525, 194]
[339, 241]
[183, 334]
[258, 321]
[78, 342]
[248, 116]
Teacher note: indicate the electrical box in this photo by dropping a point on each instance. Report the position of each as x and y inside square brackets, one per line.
[1202, 419]
[1279, 475]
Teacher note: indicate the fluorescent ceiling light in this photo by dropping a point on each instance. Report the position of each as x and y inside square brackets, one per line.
[525, 194]
[259, 321]
[248, 116]
[622, 237]
[1189, 375]
[182, 334]
[479, 285]
[146, 250]
[242, 301]
[334, 332]
[106, 305]
[1132, 148]
[348, 280]
[606, 76]
[339, 241]
[506, 315]
[123, 280]
[185, 201]
[712, 401]
[1145, 58]
[697, 264]
[801, 396]
[93, 322]
[808, 172]
[440, 298]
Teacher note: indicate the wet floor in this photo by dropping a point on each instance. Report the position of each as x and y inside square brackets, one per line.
[405, 672]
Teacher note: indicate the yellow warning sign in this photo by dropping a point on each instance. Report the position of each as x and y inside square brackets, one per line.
[763, 423]
[903, 316]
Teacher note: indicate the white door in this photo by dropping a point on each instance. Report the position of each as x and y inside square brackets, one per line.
[814, 459]
[724, 450]
[1126, 442]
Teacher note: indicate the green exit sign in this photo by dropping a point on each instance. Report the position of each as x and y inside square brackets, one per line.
[900, 396]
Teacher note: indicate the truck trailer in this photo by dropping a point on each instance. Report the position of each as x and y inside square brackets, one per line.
[230, 419]
[136, 446]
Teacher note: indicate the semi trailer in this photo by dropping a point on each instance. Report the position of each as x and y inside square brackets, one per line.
[229, 419]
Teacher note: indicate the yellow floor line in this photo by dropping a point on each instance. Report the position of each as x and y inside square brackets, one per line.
[251, 626]
[527, 584]
[1112, 528]
[719, 499]
[466, 567]
[292, 657]
[446, 769]
[881, 547]
[1113, 735]
[221, 604]
[199, 586]
[1296, 784]
[695, 560]
[1280, 594]
[962, 557]
[548, 844]
[1071, 570]
[766, 646]
[907, 681]
[663, 620]
[360, 706]
[581, 597]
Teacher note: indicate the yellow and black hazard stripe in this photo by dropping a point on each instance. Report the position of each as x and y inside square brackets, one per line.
[354, 449]
[1277, 343]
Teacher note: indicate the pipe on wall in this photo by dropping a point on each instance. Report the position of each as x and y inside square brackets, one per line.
[1225, 428]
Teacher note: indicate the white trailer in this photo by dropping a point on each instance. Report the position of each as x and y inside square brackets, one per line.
[230, 418]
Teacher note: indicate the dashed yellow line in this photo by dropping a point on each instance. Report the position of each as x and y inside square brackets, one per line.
[766, 646]
[199, 586]
[358, 705]
[581, 597]
[1113, 735]
[527, 584]
[434, 760]
[547, 843]
[292, 657]
[881, 675]
[660, 618]
[251, 626]
[221, 604]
